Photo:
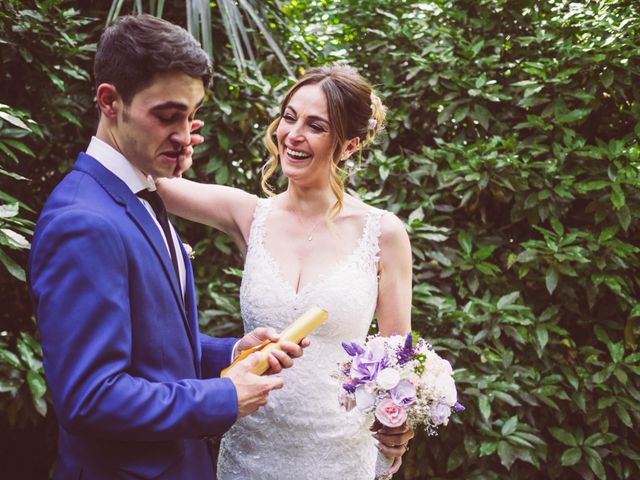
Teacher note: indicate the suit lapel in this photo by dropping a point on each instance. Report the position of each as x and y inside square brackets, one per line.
[190, 305]
[141, 217]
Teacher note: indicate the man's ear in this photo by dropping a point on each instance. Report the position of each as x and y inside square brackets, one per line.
[109, 100]
[350, 147]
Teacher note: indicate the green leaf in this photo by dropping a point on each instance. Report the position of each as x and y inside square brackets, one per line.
[623, 415]
[507, 300]
[488, 448]
[507, 454]
[608, 233]
[9, 210]
[456, 459]
[557, 226]
[482, 115]
[14, 239]
[617, 196]
[37, 384]
[10, 358]
[617, 351]
[464, 239]
[571, 456]
[485, 407]
[600, 439]
[526, 256]
[574, 115]
[509, 426]
[624, 217]
[40, 405]
[563, 436]
[551, 279]
[14, 120]
[542, 334]
[12, 267]
[595, 463]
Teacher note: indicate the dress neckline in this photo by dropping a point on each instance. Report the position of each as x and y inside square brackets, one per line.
[323, 276]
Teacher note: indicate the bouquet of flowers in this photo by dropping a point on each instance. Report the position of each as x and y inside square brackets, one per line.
[400, 381]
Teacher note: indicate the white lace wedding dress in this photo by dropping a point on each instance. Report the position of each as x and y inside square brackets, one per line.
[303, 433]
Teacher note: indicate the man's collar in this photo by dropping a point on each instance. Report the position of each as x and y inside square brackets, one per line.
[117, 164]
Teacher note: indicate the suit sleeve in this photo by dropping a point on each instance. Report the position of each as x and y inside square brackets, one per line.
[216, 354]
[80, 286]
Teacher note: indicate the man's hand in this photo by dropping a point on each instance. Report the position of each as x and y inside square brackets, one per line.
[184, 159]
[278, 359]
[393, 442]
[252, 390]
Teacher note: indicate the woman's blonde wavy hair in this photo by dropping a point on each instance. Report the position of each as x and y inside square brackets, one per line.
[354, 111]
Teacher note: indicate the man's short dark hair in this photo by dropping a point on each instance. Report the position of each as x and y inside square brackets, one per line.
[135, 48]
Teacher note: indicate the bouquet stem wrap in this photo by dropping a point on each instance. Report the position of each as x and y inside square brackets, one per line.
[295, 332]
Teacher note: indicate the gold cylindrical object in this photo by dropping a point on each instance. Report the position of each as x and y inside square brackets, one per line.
[300, 328]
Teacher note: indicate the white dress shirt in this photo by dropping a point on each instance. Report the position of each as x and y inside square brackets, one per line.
[136, 180]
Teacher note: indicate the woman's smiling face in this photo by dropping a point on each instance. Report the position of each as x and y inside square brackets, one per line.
[306, 142]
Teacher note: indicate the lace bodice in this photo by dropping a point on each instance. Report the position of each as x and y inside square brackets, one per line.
[303, 433]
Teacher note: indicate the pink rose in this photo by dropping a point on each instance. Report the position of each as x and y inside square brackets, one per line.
[390, 414]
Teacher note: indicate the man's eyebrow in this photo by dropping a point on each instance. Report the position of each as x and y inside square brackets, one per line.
[174, 105]
[311, 117]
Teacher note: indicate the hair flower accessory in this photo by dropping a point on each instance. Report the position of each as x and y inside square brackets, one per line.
[373, 123]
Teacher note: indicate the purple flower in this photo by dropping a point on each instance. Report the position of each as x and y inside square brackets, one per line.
[349, 387]
[366, 365]
[406, 353]
[403, 394]
[352, 348]
[458, 407]
[440, 413]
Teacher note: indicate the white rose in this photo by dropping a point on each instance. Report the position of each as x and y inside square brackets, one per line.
[388, 378]
[446, 388]
[365, 401]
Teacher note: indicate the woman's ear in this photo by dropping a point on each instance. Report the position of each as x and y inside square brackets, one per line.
[109, 100]
[350, 147]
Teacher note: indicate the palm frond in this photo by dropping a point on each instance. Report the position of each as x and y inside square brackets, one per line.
[243, 23]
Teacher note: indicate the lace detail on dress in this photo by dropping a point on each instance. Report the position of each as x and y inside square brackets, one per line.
[303, 433]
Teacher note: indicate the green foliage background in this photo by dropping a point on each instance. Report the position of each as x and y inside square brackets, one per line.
[512, 154]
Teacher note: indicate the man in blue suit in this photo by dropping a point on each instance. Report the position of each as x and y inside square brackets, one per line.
[134, 384]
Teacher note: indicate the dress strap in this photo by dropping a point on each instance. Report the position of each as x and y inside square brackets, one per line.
[371, 234]
[256, 233]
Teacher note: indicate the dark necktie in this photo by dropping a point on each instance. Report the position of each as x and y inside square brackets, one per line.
[161, 215]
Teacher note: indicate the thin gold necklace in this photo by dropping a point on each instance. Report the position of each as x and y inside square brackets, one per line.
[309, 234]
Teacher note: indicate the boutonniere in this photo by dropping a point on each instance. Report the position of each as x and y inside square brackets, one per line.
[189, 249]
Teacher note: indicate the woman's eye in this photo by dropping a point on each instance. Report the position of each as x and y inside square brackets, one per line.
[288, 117]
[317, 127]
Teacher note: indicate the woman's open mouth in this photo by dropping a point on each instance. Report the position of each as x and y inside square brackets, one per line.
[296, 154]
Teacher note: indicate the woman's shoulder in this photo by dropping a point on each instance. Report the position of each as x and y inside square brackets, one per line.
[389, 221]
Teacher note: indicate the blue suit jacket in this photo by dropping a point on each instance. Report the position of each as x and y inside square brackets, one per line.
[130, 376]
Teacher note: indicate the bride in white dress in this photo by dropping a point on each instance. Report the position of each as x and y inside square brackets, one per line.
[312, 244]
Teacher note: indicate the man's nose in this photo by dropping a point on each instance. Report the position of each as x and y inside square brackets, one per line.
[182, 135]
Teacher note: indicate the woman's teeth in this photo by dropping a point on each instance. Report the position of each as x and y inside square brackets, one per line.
[296, 154]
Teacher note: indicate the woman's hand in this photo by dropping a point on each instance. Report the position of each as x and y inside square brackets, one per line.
[393, 442]
[185, 159]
